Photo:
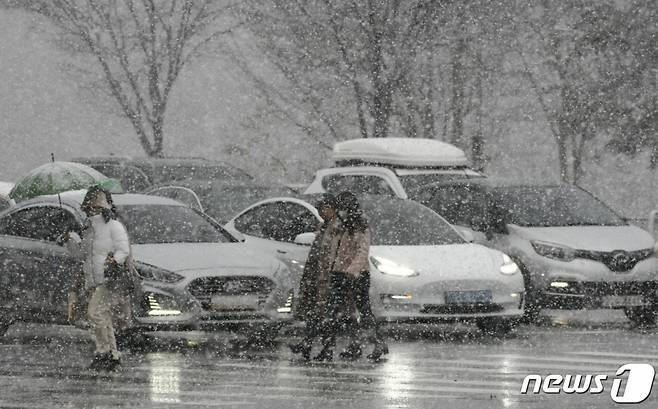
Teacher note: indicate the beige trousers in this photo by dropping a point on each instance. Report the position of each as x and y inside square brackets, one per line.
[106, 311]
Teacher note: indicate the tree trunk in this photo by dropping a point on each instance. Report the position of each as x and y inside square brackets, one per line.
[458, 82]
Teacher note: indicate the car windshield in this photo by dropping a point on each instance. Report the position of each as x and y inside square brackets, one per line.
[406, 223]
[414, 181]
[151, 224]
[544, 206]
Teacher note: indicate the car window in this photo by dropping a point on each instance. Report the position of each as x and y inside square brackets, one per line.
[132, 179]
[280, 221]
[155, 224]
[40, 223]
[254, 220]
[548, 206]
[183, 195]
[464, 205]
[407, 223]
[357, 184]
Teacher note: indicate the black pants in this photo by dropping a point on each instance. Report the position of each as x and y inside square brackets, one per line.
[341, 287]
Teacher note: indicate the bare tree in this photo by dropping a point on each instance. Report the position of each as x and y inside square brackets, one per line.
[344, 52]
[139, 48]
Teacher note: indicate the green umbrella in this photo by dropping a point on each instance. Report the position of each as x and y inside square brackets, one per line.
[57, 177]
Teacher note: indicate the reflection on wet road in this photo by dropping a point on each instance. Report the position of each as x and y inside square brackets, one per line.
[451, 366]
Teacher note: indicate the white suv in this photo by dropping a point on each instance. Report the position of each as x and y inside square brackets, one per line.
[391, 166]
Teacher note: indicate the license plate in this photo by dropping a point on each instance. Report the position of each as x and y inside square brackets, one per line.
[234, 302]
[623, 301]
[468, 297]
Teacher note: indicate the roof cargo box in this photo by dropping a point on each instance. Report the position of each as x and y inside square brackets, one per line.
[398, 152]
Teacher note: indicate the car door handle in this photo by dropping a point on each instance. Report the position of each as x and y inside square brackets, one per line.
[281, 251]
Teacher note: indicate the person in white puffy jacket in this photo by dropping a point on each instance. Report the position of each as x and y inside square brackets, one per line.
[104, 243]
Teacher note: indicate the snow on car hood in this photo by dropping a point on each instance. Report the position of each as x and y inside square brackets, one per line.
[601, 238]
[180, 257]
[449, 262]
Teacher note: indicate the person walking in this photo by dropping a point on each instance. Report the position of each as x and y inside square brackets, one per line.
[104, 250]
[350, 280]
[314, 284]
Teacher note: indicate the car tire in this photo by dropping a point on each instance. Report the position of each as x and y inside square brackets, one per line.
[532, 306]
[497, 327]
[641, 316]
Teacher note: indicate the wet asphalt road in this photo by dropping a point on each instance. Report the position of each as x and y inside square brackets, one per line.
[449, 366]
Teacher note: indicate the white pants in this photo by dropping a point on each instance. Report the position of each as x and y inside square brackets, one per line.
[107, 310]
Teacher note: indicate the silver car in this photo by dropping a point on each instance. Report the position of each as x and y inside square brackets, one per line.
[574, 251]
[181, 250]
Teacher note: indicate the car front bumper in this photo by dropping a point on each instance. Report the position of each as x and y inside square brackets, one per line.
[427, 302]
[589, 284]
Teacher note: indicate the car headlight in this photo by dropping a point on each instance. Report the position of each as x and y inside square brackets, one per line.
[554, 251]
[154, 273]
[386, 266]
[160, 305]
[508, 267]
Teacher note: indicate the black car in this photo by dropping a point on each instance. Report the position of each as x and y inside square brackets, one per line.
[219, 199]
[139, 174]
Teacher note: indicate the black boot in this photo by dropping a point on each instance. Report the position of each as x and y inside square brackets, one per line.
[112, 363]
[326, 355]
[303, 348]
[99, 362]
[353, 351]
[380, 349]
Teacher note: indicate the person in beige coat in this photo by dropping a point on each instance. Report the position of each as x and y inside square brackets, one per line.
[350, 281]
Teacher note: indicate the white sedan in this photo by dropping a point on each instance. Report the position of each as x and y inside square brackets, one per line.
[422, 269]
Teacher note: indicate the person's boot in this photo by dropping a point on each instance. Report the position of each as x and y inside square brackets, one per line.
[380, 349]
[303, 348]
[353, 351]
[113, 363]
[326, 355]
[100, 361]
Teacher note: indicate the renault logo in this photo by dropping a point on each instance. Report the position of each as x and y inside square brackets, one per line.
[620, 260]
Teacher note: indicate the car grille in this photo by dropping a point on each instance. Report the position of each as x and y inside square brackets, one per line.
[461, 308]
[595, 288]
[208, 287]
[618, 260]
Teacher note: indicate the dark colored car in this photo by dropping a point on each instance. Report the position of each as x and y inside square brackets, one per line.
[138, 174]
[220, 199]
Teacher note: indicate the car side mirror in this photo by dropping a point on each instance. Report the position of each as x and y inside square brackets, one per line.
[305, 239]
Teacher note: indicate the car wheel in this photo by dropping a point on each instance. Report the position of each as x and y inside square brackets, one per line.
[641, 316]
[497, 327]
[132, 339]
[532, 306]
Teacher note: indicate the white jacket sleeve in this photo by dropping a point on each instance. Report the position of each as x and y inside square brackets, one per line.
[120, 241]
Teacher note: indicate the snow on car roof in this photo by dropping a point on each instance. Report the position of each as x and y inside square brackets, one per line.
[400, 151]
[75, 197]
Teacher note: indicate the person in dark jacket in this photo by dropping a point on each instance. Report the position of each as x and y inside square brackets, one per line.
[350, 280]
[314, 284]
